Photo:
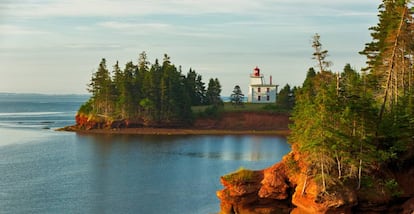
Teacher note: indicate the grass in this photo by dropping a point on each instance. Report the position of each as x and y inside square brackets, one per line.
[249, 107]
[246, 107]
[240, 176]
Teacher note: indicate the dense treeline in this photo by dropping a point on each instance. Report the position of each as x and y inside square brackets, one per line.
[286, 98]
[350, 124]
[149, 94]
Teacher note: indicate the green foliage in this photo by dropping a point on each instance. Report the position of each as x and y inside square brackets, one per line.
[271, 107]
[156, 94]
[393, 188]
[350, 124]
[320, 55]
[213, 92]
[286, 98]
[213, 111]
[368, 182]
[292, 165]
[196, 87]
[237, 96]
[86, 108]
[242, 175]
[334, 123]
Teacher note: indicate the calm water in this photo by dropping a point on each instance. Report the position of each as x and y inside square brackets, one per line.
[43, 171]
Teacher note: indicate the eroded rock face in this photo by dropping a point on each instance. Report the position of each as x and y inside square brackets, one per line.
[286, 188]
[266, 191]
[228, 121]
[408, 206]
[275, 184]
[246, 121]
[281, 189]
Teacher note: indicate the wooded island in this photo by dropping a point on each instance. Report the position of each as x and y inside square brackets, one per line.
[146, 95]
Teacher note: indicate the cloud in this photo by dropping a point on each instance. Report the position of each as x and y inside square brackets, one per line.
[122, 8]
[202, 31]
[131, 26]
[93, 46]
[91, 8]
[18, 30]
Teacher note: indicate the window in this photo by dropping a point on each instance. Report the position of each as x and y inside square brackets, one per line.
[258, 98]
[268, 98]
[267, 90]
[258, 90]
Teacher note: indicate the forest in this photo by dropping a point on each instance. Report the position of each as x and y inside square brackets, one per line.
[351, 125]
[149, 94]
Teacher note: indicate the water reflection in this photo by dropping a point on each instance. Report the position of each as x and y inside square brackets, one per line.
[245, 148]
[152, 174]
[57, 171]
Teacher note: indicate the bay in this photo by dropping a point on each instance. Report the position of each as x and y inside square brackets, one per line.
[44, 171]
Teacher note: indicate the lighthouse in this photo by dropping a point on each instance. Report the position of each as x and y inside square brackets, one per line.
[259, 90]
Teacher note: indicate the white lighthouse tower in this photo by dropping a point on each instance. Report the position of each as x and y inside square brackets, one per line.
[259, 91]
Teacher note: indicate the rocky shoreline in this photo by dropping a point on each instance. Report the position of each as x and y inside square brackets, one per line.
[172, 131]
[240, 123]
[281, 188]
[286, 188]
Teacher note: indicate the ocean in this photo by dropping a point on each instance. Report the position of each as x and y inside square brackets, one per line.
[46, 171]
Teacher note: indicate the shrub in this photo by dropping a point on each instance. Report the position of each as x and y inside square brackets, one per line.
[393, 188]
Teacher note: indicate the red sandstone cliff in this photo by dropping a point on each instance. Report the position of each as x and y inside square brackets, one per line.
[228, 121]
[245, 121]
[285, 188]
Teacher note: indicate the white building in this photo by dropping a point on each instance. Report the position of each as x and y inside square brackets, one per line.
[259, 91]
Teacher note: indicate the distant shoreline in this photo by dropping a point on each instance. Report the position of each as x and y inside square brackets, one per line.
[175, 131]
[229, 123]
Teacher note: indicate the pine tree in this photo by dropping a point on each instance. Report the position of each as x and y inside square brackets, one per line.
[119, 92]
[200, 90]
[237, 96]
[285, 98]
[388, 55]
[148, 94]
[213, 92]
[320, 55]
[390, 67]
[101, 88]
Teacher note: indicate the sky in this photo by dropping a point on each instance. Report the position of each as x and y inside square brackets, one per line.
[54, 46]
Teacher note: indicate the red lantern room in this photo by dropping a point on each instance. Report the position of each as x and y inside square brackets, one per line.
[256, 71]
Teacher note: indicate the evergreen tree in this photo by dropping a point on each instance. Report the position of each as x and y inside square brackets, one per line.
[320, 55]
[143, 62]
[237, 96]
[153, 95]
[200, 90]
[285, 98]
[119, 91]
[213, 92]
[390, 77]
[101, 89]
[190, 82]
[154, 91]
[129, 95]
[389, 61]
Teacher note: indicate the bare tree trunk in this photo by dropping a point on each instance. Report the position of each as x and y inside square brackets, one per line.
[304, 184]
[390, 70]
[339, 165]
[337, 83]
[323, 175]
[359, 174]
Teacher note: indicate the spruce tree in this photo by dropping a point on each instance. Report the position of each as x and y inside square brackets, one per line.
[237, 96]
[213, 92]
[101, 88]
